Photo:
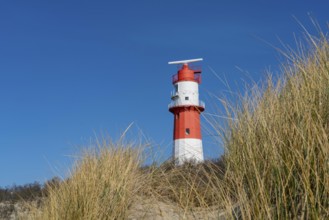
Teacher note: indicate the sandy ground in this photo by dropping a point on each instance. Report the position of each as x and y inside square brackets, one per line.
[10, 211]
[142, 209]
[155, 210]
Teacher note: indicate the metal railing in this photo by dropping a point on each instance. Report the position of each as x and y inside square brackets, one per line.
[175, 104]
[197, 78]
[173, 94]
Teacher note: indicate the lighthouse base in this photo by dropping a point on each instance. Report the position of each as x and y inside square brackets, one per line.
[188, 149]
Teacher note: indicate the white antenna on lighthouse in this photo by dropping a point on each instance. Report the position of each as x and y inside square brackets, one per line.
[185, 61]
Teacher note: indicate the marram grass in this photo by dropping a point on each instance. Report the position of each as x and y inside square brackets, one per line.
[102, 185]
[278, 146]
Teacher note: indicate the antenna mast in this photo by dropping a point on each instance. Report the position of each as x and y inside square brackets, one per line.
[185, 61]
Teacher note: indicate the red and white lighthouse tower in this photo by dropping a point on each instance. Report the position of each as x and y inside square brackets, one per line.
[186, 108]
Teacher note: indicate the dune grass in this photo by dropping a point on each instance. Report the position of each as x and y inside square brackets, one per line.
[277, 149]
[189, 185]
[102, 185]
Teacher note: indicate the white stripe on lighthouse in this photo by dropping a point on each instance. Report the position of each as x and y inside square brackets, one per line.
[186, 149]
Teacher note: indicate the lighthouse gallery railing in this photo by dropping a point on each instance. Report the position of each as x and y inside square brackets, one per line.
[175, 104]
[197, 78]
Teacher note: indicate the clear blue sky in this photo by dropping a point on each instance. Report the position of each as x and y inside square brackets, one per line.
[73, 69]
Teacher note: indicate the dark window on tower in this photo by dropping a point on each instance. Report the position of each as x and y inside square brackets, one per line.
[186, 98]
[187, 131]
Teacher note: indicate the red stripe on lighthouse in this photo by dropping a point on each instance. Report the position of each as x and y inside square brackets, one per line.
[187, 123]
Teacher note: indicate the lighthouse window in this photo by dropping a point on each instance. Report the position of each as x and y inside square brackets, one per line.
[186, 98]
[187, 131]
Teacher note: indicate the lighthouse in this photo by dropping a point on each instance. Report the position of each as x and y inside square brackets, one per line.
[186, 108]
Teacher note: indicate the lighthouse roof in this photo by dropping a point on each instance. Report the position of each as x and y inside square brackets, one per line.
[187, 74]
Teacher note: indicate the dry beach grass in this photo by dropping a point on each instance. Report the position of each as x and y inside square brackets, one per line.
[278, 147]
[102, 185]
